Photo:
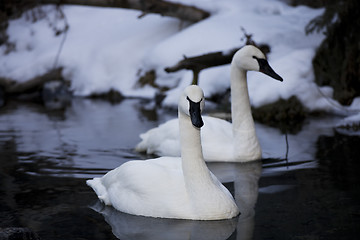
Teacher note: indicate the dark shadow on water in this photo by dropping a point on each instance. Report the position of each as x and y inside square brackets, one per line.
[319, 203]
[53, 207]
[339, 155]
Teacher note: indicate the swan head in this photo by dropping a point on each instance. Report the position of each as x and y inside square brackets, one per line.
[191, 103]
[250, 58]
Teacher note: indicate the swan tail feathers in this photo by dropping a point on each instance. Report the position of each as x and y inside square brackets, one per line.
[146, 145]
[142, 146]
[155, 140]
[100, 190]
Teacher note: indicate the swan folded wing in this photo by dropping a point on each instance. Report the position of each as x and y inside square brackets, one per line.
[228, 212]
[217, 140]
[149, 188]
[216, 137]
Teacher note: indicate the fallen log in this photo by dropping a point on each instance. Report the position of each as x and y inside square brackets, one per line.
[164, 8]
[198, 63]
[50, 89]
[12, 87]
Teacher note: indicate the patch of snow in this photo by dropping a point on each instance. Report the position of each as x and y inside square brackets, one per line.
[109, 48]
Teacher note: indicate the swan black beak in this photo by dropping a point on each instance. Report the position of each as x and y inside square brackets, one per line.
[195, 113]
[266, 69]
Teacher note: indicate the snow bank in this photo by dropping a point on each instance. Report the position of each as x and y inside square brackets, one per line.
[349, 124]
[110, 48]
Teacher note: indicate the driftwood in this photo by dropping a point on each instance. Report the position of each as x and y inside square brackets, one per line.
[183, 12]
[198, 63]
[11, 87]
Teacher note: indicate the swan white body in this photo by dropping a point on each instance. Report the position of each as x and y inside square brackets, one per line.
[221, 141]
[170, 187]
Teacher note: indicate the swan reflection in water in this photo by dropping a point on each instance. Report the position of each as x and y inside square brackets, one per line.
[244, 176]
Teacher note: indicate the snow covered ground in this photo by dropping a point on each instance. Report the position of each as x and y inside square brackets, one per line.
[110, 48]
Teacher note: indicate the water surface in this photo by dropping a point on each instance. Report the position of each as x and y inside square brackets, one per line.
[47, 155]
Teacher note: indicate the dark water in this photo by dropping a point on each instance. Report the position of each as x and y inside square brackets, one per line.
[46, 156]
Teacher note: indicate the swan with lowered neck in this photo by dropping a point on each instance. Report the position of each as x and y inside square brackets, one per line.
[221, 140]
[169, 187]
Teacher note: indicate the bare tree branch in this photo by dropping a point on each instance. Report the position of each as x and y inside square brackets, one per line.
[177, 10]
[199, 63]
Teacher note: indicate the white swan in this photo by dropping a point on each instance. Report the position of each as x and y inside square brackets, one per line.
[221, 140]
[168, 187]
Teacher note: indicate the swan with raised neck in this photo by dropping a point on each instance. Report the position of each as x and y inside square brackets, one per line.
[168, 187]
[249, 58]
[221, 141]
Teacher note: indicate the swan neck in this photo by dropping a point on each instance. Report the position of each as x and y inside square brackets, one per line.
[240, 103]
[194, 168]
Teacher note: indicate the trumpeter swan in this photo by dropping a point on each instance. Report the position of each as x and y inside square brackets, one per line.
[170, 187]
[221, 140]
